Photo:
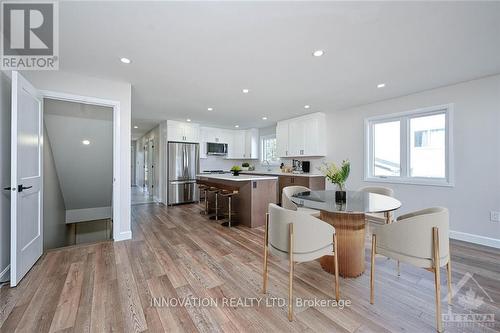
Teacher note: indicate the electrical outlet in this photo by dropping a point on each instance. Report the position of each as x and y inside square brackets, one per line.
[495, 216]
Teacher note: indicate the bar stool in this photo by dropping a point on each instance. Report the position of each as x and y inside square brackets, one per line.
[204, 188]
[216, 191]
[229, 195]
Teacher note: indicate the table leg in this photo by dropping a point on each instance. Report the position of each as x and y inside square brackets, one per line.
[350, 229]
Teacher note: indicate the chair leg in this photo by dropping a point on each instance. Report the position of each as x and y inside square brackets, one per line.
[216, 207]
[398, 268]
[266, 240]
[290, 281]
[437, 277]
[372, 269]
[336, 261]
[229, 211]
[450, 290]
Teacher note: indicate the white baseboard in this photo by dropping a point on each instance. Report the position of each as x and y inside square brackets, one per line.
[476, 239]
[123, 236]
[5, 274]
[88, 214]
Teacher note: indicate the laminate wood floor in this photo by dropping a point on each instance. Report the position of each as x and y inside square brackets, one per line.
[178, 254]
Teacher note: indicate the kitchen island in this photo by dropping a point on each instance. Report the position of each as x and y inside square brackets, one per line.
[255, 193]
[309, 180]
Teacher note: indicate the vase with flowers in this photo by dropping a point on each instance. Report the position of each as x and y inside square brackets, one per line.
[337, 175]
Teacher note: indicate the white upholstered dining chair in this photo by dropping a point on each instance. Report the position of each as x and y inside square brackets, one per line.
[298, 237]
[287, 203]
[420, 239]
[378, 218]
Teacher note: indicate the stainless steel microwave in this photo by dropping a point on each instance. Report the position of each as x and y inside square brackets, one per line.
[219, 149]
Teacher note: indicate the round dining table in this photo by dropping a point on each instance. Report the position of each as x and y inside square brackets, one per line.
[348, 218]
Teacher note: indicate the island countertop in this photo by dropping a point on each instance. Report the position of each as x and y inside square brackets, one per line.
[230, 177]
[279, 173]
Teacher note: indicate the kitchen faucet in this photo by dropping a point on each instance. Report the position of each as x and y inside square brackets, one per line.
[268, 165]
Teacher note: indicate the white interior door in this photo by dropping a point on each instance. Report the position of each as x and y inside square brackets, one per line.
[26, 178]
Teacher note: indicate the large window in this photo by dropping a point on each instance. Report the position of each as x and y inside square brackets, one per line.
[412, 147]
[268, 149]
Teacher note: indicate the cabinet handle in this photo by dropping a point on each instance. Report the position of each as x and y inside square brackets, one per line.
[286, 153]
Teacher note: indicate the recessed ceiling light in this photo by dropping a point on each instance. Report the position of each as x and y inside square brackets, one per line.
[236, 126]
[210, 109]
[264, 118]
[136, 127]
[318, 53]
[86, 142]
[125, 60]
[188, 120]
[246, 91]
[381, 85]
[307, 106]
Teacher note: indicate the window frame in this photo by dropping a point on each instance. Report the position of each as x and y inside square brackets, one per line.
[261, 157]
[405, 141]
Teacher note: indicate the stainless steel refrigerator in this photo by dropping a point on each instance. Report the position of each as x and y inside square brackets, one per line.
[183, 166]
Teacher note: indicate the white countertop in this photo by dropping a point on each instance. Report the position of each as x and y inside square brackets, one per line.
[279, 173]
[229, 176]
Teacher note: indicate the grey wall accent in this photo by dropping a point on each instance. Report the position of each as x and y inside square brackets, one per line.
[54, 210]
[5, 110]
[476, 151]
[85, 172]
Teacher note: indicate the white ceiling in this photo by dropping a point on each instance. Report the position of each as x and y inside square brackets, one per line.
[187, 56]
[85, 172]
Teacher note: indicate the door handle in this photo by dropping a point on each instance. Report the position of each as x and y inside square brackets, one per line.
[7, 188]
[20, 188]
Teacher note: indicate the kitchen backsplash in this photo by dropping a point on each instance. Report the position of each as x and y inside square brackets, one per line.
[220, 163]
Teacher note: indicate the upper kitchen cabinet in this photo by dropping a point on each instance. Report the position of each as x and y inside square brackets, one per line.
[216, 135]
[302, 137]
[282, 138]
[245, 144]
[183, 132]
[252, 143]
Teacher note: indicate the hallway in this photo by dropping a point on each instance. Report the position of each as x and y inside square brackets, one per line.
[140, 196]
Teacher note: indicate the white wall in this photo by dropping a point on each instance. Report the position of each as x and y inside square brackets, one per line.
[4, 175]
[476, 131]
[85, 171]
[70, 83]
[54, 210]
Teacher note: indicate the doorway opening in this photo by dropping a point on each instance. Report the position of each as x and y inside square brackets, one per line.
[77, 172]
[145, 159]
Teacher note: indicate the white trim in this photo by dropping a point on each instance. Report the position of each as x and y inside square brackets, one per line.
[404, 118]
[122, 236]
[5, 274]
[117, 204]
[476, 239]
[88, 214]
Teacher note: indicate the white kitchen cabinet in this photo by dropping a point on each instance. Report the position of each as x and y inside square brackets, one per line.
[183, 132]
[236, 150]
[244, 145]
[217, 135]
[282, 138]
[302, 137]
[251, 143]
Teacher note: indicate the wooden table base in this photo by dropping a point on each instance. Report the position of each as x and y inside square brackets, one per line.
[350, 229]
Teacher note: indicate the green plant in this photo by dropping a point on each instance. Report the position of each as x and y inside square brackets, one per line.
[245, 164]
[236, 168]
[337, 175]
